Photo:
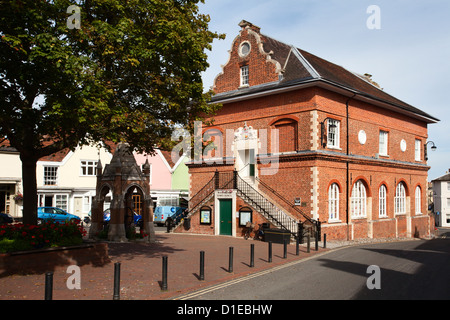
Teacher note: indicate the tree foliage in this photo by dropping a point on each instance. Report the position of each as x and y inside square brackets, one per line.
[131, 72]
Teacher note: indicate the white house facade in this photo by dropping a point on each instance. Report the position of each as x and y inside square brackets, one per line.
[10, 181]
[441, 200]
[67, 179]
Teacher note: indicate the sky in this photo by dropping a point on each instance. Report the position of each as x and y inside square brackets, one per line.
[406, 49]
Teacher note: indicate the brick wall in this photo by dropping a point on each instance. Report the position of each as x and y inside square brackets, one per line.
[307, 169]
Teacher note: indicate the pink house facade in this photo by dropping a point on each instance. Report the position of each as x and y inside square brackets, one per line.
[161, 172]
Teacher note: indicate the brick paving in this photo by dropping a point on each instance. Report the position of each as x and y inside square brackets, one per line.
[141, 269]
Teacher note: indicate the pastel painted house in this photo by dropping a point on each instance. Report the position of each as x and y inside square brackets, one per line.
[169, 179]
[10, 180]
[67, 179]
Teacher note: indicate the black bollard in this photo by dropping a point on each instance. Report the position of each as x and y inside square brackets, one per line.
[230, 261]
[324, 240]
[49, 286]
[252, 255]
[270, 251]
[284, 249]
[297, 246]
[317, 240]
[116, 295]
[164, 273]
[202, 265]
[308, 244]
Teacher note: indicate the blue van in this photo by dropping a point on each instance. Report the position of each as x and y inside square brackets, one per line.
[162, 213]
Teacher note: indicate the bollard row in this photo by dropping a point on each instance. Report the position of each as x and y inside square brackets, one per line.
[201, 277]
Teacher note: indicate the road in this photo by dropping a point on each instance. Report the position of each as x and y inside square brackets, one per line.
[415, 269]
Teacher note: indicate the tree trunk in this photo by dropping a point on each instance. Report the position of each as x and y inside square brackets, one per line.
[30, 200]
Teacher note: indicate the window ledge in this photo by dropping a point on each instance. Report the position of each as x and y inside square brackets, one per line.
[359, 218]
[334, 221]
[334, 148]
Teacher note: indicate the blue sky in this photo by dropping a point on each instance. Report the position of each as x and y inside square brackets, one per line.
[409, 56]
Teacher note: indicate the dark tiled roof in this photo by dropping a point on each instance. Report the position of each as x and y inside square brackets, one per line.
[445, 177]
[301, 67]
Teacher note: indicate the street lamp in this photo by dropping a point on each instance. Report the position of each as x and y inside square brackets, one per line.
[322, 127]
[433, 148]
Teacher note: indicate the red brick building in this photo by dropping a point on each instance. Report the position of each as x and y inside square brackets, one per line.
[300, 139]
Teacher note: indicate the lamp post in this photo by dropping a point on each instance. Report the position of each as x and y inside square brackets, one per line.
[433, 148]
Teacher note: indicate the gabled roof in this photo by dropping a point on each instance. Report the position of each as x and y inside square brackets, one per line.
[445, 177]
[303, 68]
[55, 157]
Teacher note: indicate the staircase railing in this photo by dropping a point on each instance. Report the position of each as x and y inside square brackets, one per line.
[218, 181]
[282, 200]
[276, 214]
[272, 212]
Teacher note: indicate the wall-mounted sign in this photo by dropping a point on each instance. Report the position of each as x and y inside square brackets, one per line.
[245, 215]
[205, 215]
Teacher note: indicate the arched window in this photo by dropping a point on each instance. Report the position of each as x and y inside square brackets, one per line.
[418, 200]
[400, 199]
[382, 202]
[333, 202]
[213, 143]
[288, 134]
[359, 200]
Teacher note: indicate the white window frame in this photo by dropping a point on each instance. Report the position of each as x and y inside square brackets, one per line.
[60, 202]
[359, 200]
[382, 209]
[383, 143]
[400, 199]
[417, 148]
[333, 136]
[418, 200]
[50, 176]
[333, 202]
[85, 165]
[245, 76]
[87, 203]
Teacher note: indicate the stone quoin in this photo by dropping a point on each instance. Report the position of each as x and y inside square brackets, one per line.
[316, 141]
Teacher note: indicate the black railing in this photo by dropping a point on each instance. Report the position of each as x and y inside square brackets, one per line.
[200, 196]
[260, 203]
[282, 200]
[274, 213]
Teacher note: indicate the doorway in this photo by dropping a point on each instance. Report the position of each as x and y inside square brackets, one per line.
[2, 202]
[247, 162]
[226, 214]
[78, 205]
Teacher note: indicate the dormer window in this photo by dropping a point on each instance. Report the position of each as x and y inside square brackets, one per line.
[244, 76]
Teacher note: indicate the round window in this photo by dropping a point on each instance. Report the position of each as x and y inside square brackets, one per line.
[245, 49]
[362, 137]
[403, 145]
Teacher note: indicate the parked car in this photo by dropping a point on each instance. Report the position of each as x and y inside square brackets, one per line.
[137, 219]
[56, 214]
[162, 213]
[5, 218]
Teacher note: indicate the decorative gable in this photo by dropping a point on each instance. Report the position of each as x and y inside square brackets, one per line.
[251, 63]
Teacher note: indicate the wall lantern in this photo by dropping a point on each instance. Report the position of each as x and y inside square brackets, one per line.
[433, 148]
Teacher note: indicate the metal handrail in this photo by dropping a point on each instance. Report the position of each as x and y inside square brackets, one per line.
[271, 211]
[279, 196]
[232, 180]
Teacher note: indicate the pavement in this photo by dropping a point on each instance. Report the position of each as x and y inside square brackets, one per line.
[141, 268]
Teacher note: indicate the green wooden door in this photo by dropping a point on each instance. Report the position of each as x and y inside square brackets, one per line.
[225, 208]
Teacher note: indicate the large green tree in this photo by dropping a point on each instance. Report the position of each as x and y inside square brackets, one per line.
[119, 70]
